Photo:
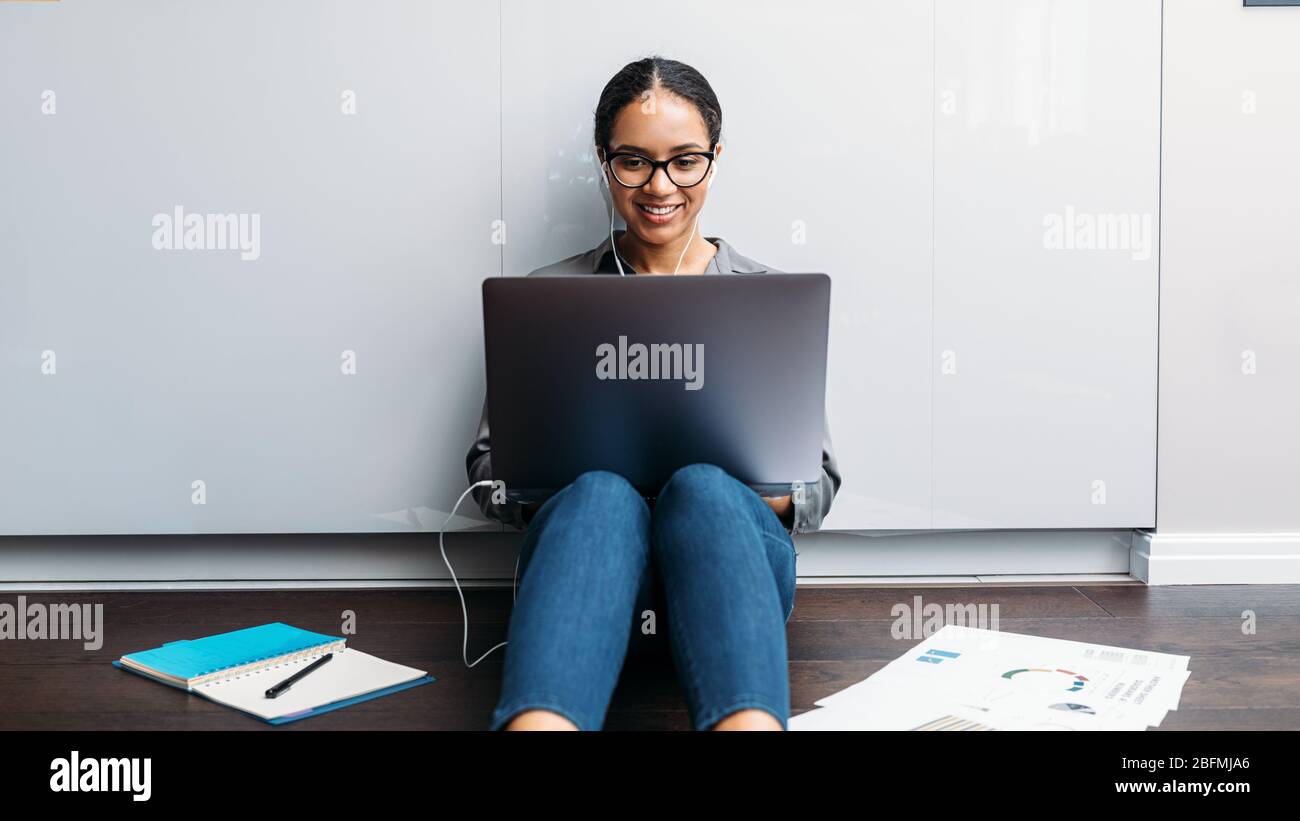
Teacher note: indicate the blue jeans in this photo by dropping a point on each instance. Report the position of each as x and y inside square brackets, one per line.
[592, 563]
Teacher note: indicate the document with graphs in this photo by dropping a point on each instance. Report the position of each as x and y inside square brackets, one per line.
[964, 678]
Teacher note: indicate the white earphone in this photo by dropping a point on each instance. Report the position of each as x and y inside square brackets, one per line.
[603, 171]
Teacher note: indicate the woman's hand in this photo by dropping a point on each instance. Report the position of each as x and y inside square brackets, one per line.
[783, 507]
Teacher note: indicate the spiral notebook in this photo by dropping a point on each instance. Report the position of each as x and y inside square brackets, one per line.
[236, 669]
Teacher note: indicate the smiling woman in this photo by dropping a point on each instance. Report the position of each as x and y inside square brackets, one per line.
[658, 136]
[597, 556]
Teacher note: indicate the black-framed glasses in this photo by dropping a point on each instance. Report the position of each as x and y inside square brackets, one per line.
[635, 170]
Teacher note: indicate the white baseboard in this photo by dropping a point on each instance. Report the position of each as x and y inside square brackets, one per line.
[487, 559]
[804, 583]
[1216, 558]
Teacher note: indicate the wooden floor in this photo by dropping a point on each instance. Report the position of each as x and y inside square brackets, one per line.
[836, 637]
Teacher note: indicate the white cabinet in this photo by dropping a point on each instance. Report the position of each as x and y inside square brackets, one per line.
[912, 150]
[1046, 198]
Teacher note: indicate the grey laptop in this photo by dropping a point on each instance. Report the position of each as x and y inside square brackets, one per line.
[642, 375]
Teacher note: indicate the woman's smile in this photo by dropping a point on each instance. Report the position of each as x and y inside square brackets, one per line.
[659, 214]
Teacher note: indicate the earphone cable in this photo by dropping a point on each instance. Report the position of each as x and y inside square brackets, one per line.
[464, 611]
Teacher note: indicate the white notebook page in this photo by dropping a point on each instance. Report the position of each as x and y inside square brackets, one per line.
[350, 673]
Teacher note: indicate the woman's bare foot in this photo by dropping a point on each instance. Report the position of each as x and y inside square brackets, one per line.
[540, 720]
[749, 720]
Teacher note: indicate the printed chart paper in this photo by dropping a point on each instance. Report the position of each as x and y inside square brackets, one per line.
[964, 678]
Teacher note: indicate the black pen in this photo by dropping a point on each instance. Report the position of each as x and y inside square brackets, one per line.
[291, 680]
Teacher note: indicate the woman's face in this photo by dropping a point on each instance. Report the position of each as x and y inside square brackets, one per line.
[660, 127]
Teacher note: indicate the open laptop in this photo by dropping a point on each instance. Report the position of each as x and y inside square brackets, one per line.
[644, 375]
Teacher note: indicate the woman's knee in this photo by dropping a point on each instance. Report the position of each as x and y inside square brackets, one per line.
[704, 490]
[607, 488]
[698, 482]
[598, 505]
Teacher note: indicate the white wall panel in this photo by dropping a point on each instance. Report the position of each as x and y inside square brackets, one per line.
[176, 366]
[1230, 303]
[1045, 350]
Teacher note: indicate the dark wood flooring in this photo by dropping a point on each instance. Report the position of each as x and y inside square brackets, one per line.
[837, 636]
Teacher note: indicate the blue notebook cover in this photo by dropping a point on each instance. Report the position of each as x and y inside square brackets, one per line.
[190, 658]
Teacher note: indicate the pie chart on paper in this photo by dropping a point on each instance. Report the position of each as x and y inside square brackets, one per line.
[1047, 679]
